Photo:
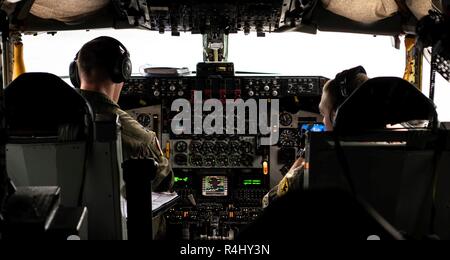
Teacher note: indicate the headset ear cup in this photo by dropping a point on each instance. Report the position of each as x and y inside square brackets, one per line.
[74, 75]
[116, 73]
[345, 79]
[127, 69]
[122, 71]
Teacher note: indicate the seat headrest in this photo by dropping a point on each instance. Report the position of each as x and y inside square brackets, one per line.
[42, 104]
[383, 101]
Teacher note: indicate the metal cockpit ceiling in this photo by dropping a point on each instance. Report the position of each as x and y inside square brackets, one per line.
[200, 16]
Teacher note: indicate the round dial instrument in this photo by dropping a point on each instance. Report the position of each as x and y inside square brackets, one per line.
[247, 160]
[286, 119]
[246, 148]
[196, 160]
[144, 119]
[196, 147]
[222, 161]
[181, 147]
[222, 148]
[208, 147]
[209, 161]
[235, 147]
[289, 138]
[235, 160]
[181, 159]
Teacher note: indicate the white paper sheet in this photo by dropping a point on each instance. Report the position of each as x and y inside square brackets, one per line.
[159, 200]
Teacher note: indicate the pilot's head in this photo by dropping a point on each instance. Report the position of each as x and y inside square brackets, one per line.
[103, 65]
[336, 92]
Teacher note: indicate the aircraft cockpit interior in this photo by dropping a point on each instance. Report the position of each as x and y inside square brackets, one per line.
[247, 153]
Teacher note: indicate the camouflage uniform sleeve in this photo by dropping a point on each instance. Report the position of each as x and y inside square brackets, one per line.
[270, 197]
[164, 176]
[140, 143]
[290, 182]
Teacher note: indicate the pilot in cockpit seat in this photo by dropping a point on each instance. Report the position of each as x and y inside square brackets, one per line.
[335, 93]
[100, 69]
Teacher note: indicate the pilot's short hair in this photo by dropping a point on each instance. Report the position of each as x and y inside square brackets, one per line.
[96, 60]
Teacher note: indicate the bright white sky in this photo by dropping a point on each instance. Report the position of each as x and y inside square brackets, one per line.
[324, 54]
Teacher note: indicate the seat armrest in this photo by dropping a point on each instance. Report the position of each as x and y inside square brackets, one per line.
[106, 127]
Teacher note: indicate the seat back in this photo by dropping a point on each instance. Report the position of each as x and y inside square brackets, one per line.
[382, 101]
[441, 222]
[387, 169]
[49, 129]
[398, 171]
[54, 140]
[48, 164]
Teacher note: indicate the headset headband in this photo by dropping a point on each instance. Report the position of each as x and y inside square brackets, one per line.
[345, 78]
[111, 40]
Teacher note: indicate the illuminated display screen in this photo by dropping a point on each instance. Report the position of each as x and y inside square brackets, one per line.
[179, 179]
[313, 128]
[215, 186]
[252, 182]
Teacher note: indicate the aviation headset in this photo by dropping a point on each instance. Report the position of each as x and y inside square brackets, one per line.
[118, 72]
[344, 81]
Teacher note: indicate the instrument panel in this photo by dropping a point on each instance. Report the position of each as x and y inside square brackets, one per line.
[221, 153]
[222, 178]
[203, 16]
[245, 87]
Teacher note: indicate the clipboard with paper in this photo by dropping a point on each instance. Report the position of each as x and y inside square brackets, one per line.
[161, 202]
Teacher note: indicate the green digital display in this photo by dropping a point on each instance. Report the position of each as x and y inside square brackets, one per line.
[252, 182]
[178, 179]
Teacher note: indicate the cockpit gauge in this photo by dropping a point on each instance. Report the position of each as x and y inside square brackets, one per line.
[209, 161]
[208, 148]
[181, 159]
[222, 148]
[289, 138]
[144, 119]
[246, 148]
[196, 160]
[196, 147]
[181, 147]
[235, 160]
[247, 160]
[286, 119]
[235, 147]
[222, 161]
